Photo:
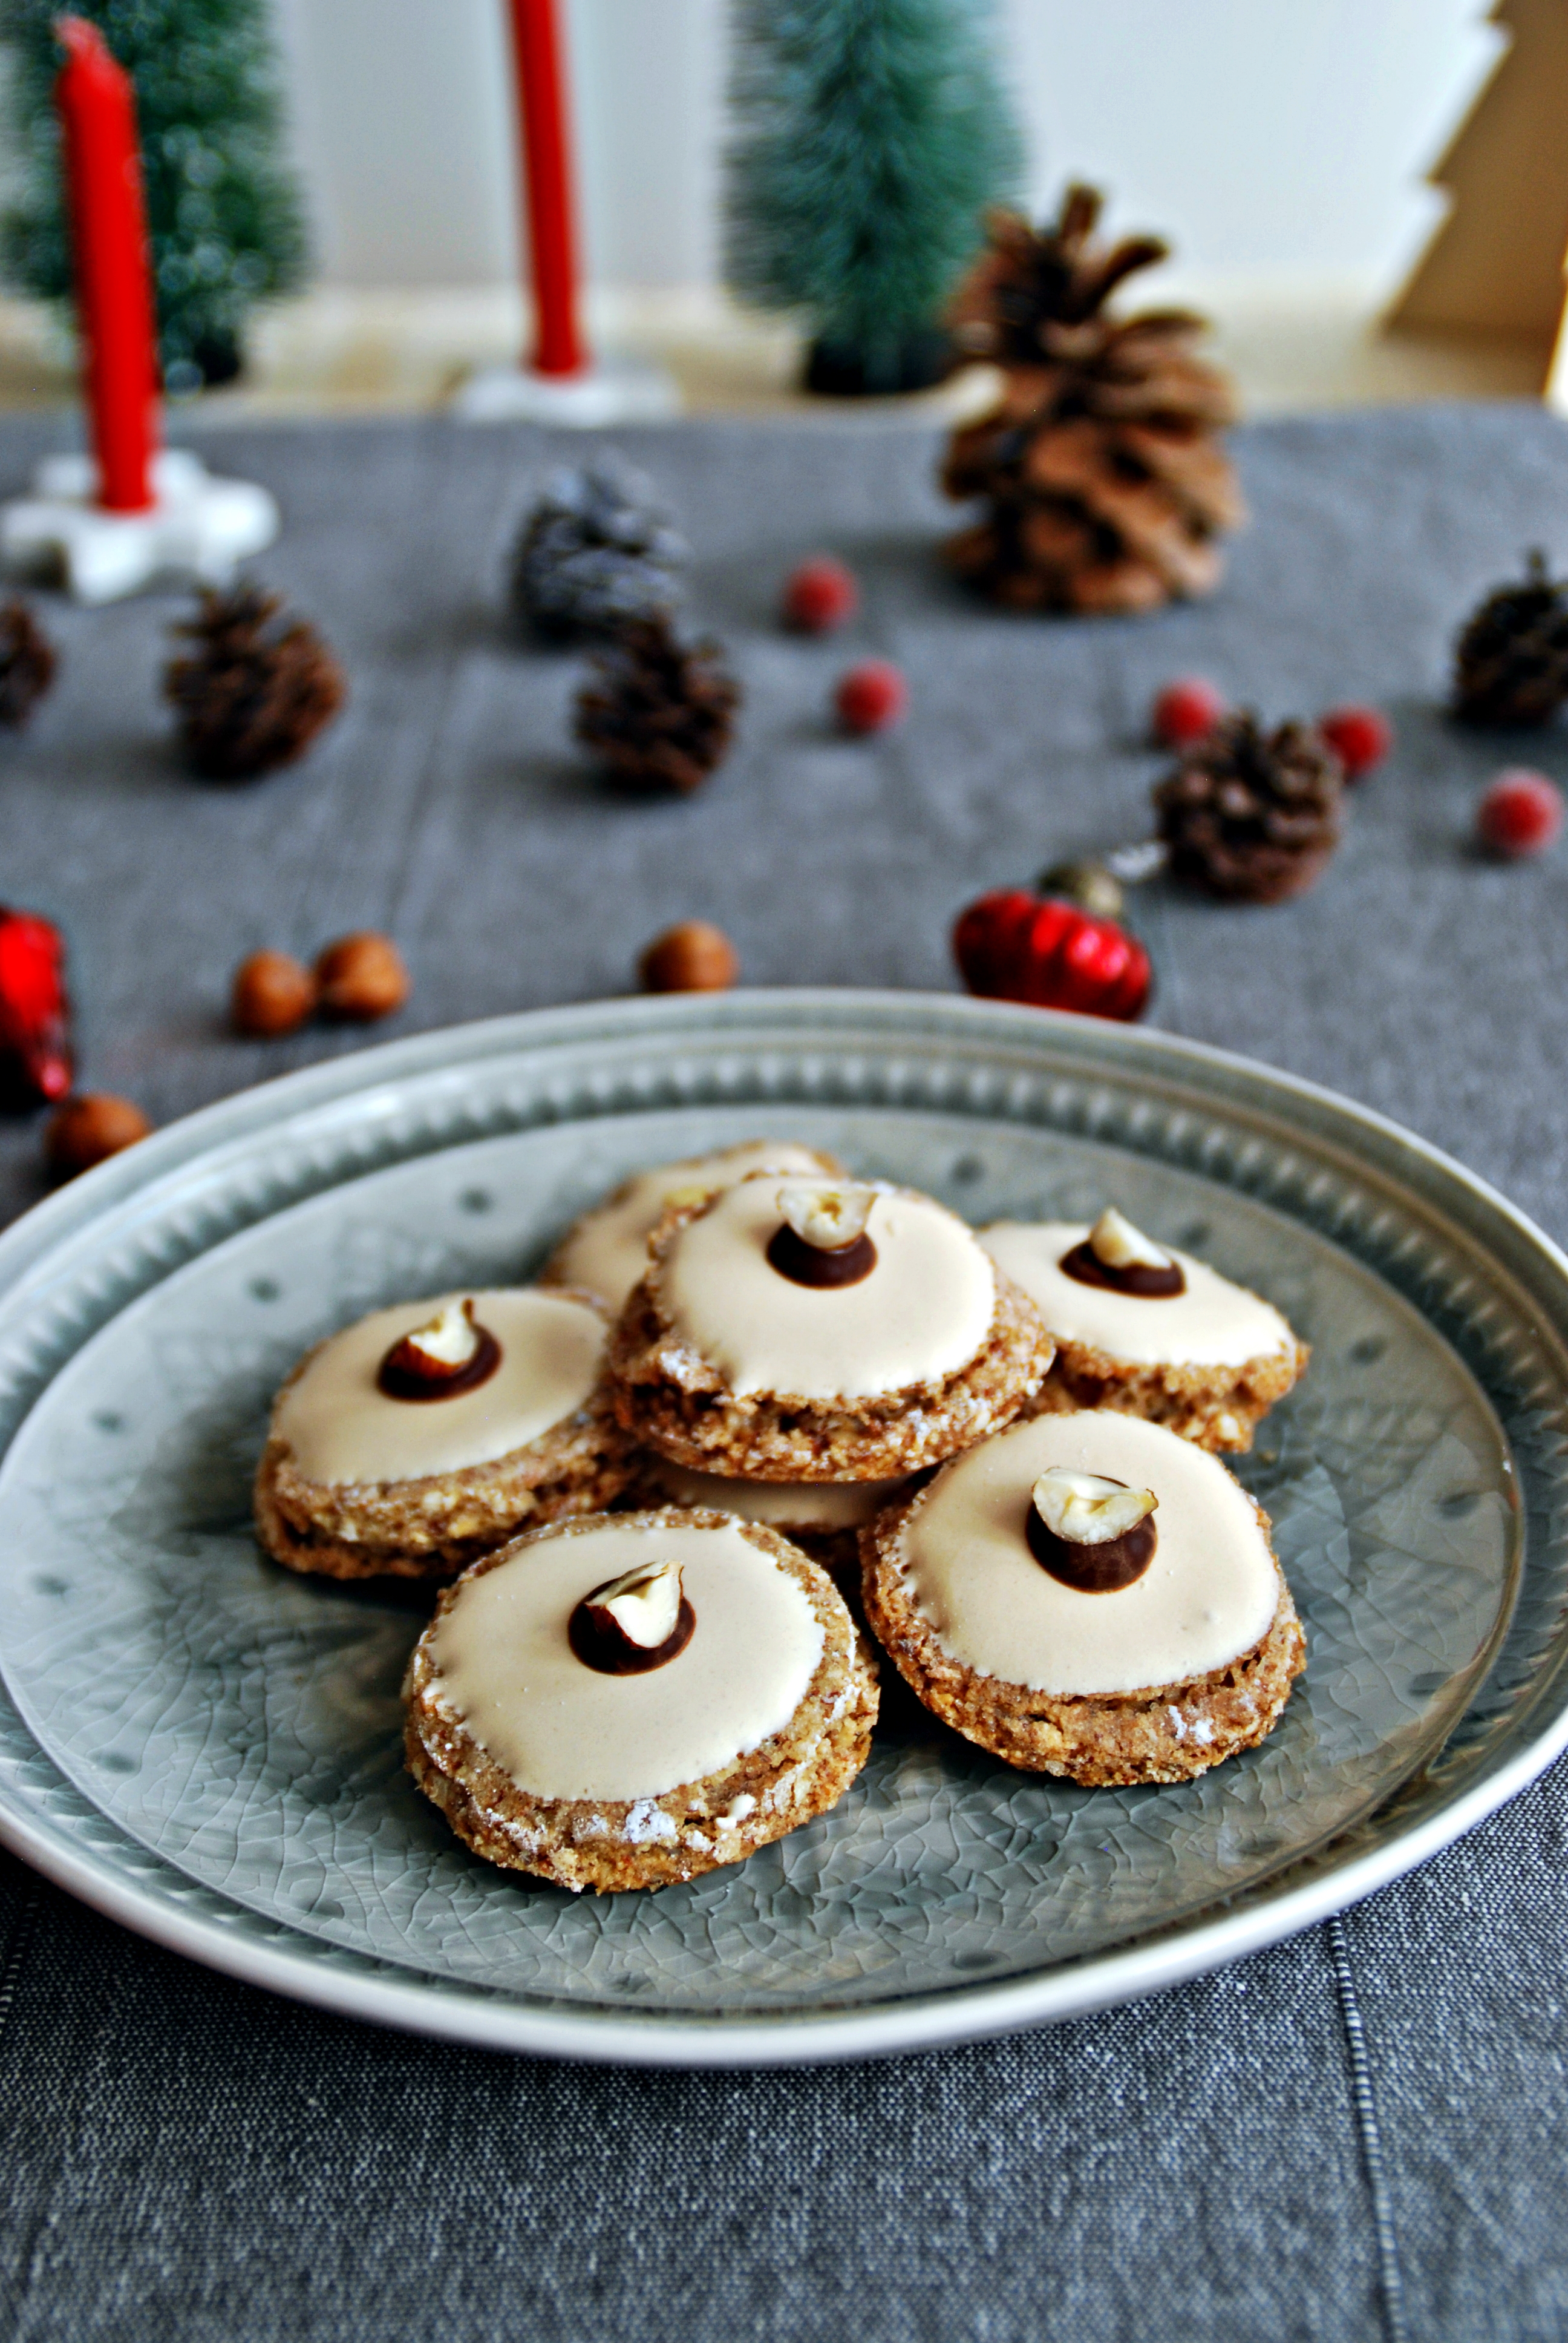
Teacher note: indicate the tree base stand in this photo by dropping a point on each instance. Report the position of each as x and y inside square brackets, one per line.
[612, 390]
[197, 528]
[917, 361]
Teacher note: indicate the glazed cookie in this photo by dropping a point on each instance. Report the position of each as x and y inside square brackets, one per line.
[606, 1251]
[1088, 1595]
[629, 1700]
[1148, 1330]
[824, 1518]
[427, 1434]
[812, 1330]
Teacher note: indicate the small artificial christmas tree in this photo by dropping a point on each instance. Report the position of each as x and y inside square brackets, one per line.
[223, 215]
[872, 136]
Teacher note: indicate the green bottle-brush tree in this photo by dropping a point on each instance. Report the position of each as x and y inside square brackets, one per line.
[871, 136]
[223, 212]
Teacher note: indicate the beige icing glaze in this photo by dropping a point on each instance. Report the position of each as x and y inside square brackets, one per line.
[563, 1731]
[794, 1505]
[606, 1252]
[1214, 1324]
[342, 1429]
[1208, 1595]
[923, 1313]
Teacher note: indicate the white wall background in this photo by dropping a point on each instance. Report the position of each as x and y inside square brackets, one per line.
[1271, 140]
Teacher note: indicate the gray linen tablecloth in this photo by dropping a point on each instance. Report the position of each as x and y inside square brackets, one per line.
[1360, 2133]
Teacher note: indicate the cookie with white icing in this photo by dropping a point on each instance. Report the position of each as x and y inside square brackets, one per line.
[606, 1251]
[1090, 1596]
[1148, 1330]
[426, 1434]
[818, 1329]
[632, 1699]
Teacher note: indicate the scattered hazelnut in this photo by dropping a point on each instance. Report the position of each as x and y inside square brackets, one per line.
[361, 977]
[89, 1128]
[272, 994]
[693, 957]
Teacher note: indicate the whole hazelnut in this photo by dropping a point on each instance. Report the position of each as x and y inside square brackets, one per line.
[694, 957]
[272, 994]
[361, 977]
[89, 1128]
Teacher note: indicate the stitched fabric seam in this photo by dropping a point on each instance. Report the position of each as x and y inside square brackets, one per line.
[1391, 2279]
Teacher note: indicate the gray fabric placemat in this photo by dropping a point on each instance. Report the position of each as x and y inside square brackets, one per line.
[1360, 2133]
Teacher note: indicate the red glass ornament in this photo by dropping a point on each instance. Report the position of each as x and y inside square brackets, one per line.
[35, 1013]
[1011, 945]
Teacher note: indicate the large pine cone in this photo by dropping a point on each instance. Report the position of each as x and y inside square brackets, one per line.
[1251, 816]
[1511, 663]
[659, 711]
[596, 551]
[250, 696]
[1106, 484]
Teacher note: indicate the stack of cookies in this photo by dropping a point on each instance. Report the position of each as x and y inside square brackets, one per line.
[754, 1407]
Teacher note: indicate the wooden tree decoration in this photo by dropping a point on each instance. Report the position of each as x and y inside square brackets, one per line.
[1495, 265]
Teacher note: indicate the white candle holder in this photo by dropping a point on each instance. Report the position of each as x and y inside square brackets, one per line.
[611, 390]
[196, 528]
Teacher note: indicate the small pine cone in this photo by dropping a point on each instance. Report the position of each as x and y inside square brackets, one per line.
[249, 697]
[1251, 816]
[28, 663]
[659, 711]
[1511, 662]
[596, 552]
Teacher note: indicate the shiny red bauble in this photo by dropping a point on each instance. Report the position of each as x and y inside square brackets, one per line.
[35, 1013]
[1011, 945]
[871, 696]
[1360, 738]
[1187, 710]
[820, 595]
[1520, 813]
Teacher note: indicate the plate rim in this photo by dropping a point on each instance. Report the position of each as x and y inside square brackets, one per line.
[298, 1965]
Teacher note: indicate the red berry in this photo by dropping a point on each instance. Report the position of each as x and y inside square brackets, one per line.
[1014, 946]
[872, 695]
[1360, 738]
[820, 595]
[34, 1034]
[1187, 710]
[1520, 813]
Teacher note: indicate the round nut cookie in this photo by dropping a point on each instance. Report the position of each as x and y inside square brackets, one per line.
[606, 1251]
[1090, 1596]
[795, 1330]
[426, 1434]
[1150, 1331]
[631, 1699]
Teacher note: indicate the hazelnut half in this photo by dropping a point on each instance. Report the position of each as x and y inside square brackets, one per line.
[273, 993]
[361, 977]
[1116, 1254]
[693, 957]
[88, 1129]
[633, 1622]
[1095, 1535]
[449, 1354]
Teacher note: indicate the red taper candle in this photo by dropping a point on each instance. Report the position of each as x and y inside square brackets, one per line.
[559, 346]
[114, 284]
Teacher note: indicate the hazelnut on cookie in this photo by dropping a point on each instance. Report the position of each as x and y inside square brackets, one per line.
[606, 1251]
[629, 1700]
[1148, 1330]
[427, 1433]
[821, 1330]
[1089, 1595]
